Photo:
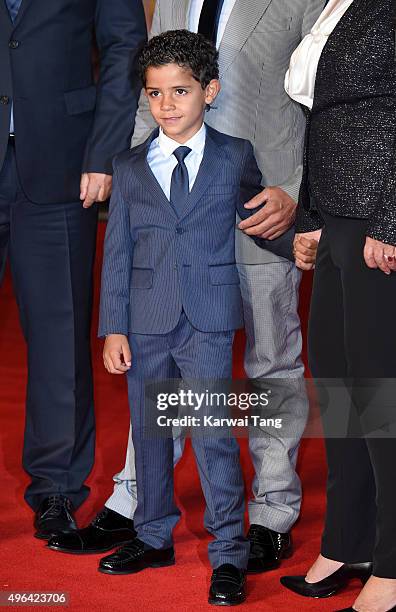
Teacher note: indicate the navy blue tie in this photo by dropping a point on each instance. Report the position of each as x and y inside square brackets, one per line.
[13, 8]
[210, 18]
[180, 185]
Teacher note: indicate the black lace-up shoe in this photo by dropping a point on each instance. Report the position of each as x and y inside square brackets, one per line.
[55, 514]
[267, 549]
[135, 557]
[227, 586]
[108, 530]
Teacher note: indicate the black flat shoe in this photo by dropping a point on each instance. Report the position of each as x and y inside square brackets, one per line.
[135, 557]
[227, 586]
[331, 585]
[107, 531]
[55, 514]
[267, 549]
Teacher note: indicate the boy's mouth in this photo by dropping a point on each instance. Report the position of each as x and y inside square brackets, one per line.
[171, 119]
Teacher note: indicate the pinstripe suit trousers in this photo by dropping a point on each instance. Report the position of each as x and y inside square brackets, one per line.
[189, 354]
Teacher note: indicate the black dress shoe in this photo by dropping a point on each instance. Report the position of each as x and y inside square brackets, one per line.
[228, 586]
[135, 557]
[267, 549]
[331, 585]
[108, 530]
[54, 515]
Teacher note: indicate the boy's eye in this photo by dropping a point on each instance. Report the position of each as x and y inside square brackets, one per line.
[154, 94]
[181, 92]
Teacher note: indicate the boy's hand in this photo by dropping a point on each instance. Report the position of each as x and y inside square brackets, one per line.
[274, 219]
[117, 356]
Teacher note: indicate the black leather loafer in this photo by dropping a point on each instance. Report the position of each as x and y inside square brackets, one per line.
[107, 531]
[331, 585]
[267, 549]
[228, 586]
[55, 514]
[135, 557]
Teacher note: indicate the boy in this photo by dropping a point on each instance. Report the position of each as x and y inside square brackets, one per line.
[170, 299]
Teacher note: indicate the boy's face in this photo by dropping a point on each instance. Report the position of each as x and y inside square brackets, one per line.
[177, 101]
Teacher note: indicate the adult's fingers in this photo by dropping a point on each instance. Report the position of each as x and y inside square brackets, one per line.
[259, 199]
[302, 265]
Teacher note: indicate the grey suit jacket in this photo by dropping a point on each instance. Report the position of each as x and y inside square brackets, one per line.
[259, 39]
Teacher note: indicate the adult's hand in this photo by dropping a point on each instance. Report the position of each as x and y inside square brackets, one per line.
[305, 247]
[377, 254]
[94, 187]
[117, 356]
[274, 219]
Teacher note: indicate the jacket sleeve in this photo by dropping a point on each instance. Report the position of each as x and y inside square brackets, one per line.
[144, 123]
[120, 32]
[251, 185]
[117, 265]
[382, 225]
[307, 220]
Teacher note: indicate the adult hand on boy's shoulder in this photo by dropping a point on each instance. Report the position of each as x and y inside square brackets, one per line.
[117, 356]
[275, 218]
[95, 187]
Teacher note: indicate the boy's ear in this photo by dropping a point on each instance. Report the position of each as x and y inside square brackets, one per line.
[212, 91]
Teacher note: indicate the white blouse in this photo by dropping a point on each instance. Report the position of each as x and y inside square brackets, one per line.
[301, 76]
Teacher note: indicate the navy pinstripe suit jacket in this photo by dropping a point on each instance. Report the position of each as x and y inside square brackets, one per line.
[156, 264]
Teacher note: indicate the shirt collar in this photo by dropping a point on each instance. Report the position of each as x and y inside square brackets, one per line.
[196, 143]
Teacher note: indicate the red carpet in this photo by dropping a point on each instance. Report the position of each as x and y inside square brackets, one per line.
[25, 565]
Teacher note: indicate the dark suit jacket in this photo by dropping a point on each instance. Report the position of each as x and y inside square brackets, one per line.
[64, 123]
[350, 158]
[157, 263]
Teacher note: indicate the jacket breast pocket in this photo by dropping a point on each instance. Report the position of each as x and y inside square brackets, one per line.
[142, 278]
[225, 274]
[80, 100]
[276, 24]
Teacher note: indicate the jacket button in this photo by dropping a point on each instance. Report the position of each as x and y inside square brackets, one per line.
[4, 99]
[179, 230]
[13, 44]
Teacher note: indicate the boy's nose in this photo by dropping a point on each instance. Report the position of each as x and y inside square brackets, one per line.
[167, 103]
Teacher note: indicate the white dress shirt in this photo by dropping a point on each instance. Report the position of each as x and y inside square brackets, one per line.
[301, 76]
[162, 161]
[195, 14]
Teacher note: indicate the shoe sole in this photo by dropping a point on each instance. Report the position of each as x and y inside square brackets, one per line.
[135, 571]
[287, 555]
[41, 536]
[97, 551]
[219, 602]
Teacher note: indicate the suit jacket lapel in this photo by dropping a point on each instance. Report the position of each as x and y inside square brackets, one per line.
[7, 18]
[145, 175]
[22, 10]
[243, 20]
[180, 14]
[210, 167]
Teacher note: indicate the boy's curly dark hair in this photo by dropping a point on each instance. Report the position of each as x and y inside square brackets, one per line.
[184, 48]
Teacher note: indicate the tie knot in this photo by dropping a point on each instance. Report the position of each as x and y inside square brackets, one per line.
[181, 153]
